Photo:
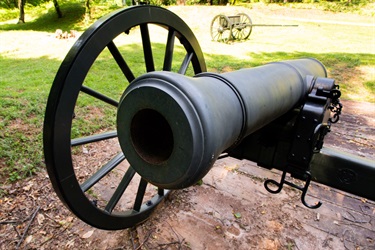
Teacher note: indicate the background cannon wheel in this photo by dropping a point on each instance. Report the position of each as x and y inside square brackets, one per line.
[86, 166]
[221, 28]
[242, 30]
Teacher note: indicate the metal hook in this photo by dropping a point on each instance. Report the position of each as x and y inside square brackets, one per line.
[278, 185]
[303, 189]
[304, 192]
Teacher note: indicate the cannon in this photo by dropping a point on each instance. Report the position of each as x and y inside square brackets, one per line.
[117, 142]
[224, 28]
[235, 27]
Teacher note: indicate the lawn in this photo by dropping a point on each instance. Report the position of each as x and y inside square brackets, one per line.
[31, 55]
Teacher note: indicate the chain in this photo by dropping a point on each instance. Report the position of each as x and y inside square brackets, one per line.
[335, 105]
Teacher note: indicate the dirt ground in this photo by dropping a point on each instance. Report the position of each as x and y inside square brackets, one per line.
[230, 210]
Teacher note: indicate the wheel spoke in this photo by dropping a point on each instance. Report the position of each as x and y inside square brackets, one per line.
[147, 50]
[167, 66]
[93, 138]
[161, 191]
[102, 172]
[185, 63]
[120, 61]
[218, 36]
[120, 189]
[140, 194]
[99, 96]
[221, 29]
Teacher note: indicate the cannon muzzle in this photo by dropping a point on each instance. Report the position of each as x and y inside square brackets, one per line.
[172, 128]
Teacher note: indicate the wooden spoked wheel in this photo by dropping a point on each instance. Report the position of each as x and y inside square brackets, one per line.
[221, 29]
[86, 166]
[242, 29]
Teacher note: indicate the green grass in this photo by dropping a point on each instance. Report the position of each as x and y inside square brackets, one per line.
[22, 105]
[44, 17]
[25, 82]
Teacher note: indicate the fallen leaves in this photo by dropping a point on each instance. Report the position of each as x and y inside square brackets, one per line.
[40, 218]
[87, 234]
[237, 215]
[31, 216]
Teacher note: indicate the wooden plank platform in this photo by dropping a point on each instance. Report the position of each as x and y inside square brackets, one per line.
[232, 210]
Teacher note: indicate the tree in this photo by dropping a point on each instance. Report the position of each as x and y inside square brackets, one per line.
[57, 8]
[87, 10]
[21, 6]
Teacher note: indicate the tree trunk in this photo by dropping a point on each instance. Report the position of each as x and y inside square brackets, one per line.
[57, 8]
[21, 6]
[87, 10]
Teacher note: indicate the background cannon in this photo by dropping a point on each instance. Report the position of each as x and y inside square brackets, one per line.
[237, 27]
[108, 193]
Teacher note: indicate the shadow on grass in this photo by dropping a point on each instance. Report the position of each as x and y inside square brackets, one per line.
[73, 16]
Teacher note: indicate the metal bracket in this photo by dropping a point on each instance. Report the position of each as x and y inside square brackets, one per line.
[284, 181]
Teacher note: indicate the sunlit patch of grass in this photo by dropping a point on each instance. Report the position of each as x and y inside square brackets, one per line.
[370, 86]
[44, 17]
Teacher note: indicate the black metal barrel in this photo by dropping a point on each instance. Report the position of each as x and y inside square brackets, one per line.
[172, 128]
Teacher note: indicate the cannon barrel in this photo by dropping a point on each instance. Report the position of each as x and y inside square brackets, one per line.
[172, 128]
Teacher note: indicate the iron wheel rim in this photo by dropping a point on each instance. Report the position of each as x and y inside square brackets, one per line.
[67, 86]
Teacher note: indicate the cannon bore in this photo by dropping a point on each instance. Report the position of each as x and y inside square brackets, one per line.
[172, 128]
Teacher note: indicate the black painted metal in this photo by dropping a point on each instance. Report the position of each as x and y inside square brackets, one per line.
[312, 124]
[271, 147]
[67, 90]
[344, 171]
[172, 127]
[283, 181]
[93, 138]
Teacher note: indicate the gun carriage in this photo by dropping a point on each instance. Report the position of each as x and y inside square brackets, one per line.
[236, 27]
[175, 120]
[225, 28]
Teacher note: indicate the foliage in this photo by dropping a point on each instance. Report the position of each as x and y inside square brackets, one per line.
[210, 2]
[44, 17]
[8, 14]
[11, 4]
[352, 6]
